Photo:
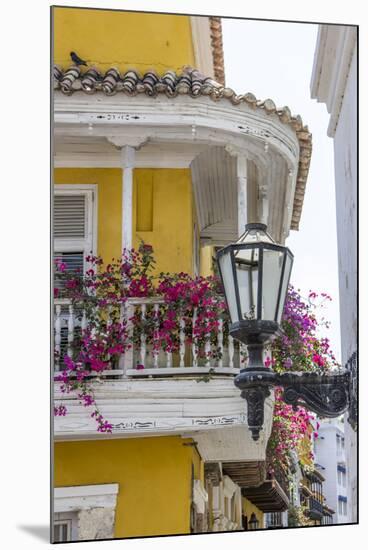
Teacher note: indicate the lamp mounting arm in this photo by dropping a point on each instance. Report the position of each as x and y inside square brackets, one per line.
[328, 395]
[325, 394]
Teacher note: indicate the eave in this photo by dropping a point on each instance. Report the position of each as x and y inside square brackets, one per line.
[191, 83]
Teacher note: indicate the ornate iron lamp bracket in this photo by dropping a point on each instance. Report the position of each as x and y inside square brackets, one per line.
[328, 395]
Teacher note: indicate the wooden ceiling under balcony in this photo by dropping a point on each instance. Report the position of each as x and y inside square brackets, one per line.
[245, 474]
[268, 497]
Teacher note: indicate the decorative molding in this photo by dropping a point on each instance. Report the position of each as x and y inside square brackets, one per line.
[138, 407]
[213, 473]
[157, 115]
[200, 496]
[229, 487]
[123, 141]
[85, 497]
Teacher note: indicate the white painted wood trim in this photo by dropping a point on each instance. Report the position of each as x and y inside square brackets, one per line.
[127, 164]
[85, 497]
[157, 116]
[165, 372]
[229, 487]
[242, 180]
[201, 39]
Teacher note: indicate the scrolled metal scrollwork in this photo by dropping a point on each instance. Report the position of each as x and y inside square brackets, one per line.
[326, 395]
[352, 367]
[255, 398]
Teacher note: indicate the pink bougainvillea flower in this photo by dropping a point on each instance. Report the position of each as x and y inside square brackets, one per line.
[318, 360]
[60, 410]
[61, 266]
[288, 363]
[139, 366]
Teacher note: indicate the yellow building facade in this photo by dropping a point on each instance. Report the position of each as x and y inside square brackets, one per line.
[155, 485]
[155, 473]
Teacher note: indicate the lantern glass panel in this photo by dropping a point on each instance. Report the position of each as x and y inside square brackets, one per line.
[285, 282]
[226, 268]
[271, 277]
[247, 268]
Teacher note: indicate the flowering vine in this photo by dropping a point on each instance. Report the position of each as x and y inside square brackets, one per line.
[196, 304]
[299, 348]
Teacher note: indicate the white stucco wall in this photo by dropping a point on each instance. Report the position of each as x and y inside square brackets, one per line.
[345, 145]
[328, 457]
[334, 82]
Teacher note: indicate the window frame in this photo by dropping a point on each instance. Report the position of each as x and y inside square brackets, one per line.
[89, 242]
[71, 520]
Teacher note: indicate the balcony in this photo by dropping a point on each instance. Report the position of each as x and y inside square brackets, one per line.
[272, 495]
[315, 510]
[144, 360]
[152, 391]
[268, 497]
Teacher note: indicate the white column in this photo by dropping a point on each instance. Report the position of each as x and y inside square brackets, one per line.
[242, 177]
[127, 164]
[263, 204]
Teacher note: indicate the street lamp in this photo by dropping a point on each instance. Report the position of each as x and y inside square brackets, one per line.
[255, 273]
[253, 523]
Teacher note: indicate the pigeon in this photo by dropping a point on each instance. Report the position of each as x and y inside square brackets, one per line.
[77, 60]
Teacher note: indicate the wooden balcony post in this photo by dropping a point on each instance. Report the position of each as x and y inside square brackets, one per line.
[127, 164]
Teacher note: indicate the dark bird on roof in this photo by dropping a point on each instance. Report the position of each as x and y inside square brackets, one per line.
[77, 60]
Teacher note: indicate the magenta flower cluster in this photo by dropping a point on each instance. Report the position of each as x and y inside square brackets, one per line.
[199, 302]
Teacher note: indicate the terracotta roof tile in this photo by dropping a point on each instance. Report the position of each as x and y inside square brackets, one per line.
[194, 84]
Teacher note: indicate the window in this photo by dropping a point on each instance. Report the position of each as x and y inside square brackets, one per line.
[342, 506]
[65, 527]
[62, 531]
[74, 224]
[273, 519]
[341, 476]
[74, 217]
[70, 524]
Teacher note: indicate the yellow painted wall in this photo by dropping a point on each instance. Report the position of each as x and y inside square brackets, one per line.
[206, 261]
[172, 223]
[154, 476]
[172, 232]
[125, 40]
[249, 508]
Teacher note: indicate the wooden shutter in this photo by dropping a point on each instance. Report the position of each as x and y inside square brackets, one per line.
[70, 216]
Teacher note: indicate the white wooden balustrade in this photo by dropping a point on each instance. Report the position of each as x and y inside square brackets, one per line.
[149, 359]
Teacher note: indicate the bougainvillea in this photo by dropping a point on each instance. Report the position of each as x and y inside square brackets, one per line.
[198, 302]
[299, 348]
[100, 294]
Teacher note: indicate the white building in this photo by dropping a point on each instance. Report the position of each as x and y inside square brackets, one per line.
[331, 463]
[334, 82]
